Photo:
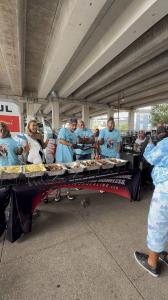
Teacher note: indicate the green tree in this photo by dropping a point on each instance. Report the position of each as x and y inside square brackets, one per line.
[159, 114]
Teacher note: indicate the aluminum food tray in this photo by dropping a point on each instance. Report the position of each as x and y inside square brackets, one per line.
[72, 170]
[119, 163]
[34, 174]
[4, 174]
[109, 164]
[56, 172]
[91, 168]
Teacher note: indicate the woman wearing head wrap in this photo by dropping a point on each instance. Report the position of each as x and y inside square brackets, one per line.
[36, 143]
[9, 148]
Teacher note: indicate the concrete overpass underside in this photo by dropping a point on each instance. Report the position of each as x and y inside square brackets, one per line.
[75, 57]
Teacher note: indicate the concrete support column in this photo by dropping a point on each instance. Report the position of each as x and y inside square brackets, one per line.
[55, 114]
[21, 117]
[85, 114]
[131, 120]
[110, 113]
[30, 110]
[22, 128]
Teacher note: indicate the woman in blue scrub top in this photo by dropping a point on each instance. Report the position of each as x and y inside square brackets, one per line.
[9, 148]
[85, 137]
[109, 140]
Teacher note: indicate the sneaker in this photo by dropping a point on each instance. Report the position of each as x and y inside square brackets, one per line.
[46, 200]
[163, 257]
[70, 197]
[142, 260]
[57, 199]
[57, 196]
[102, 192]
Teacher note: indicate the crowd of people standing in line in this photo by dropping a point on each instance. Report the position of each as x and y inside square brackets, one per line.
[74, 142]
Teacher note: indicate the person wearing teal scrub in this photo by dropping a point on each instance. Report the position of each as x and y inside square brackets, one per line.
[65, 149]
[85, 138]
[67, 142]
[109, 140]
[9, 148]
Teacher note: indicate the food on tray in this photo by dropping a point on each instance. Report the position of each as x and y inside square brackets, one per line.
[117, 161]
[114, 160]
[34, 168]
[89, 163]
[2, 169]
[103, 162]
[54, 167]
[75, 165]
[12, 169]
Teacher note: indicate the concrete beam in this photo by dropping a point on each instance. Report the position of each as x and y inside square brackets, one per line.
[141, 86]
[92, 112]
[69, 103]
[71, 100]
[47, 109]
[148, 46]
[12, 41]
[144, 94]
[72, 21]
[146, 101]
[36, 108]
[98, 113]
[153, 102]
[65, 107]
[74, 109]
[62, 108]
[133, 22]
[146, 71]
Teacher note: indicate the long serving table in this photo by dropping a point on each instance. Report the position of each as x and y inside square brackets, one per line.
[25, 194]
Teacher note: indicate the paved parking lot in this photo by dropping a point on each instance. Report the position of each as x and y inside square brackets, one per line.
[77, 253]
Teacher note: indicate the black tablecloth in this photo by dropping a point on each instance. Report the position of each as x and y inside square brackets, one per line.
[27, 195]
[20, 216]
[4, 201]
